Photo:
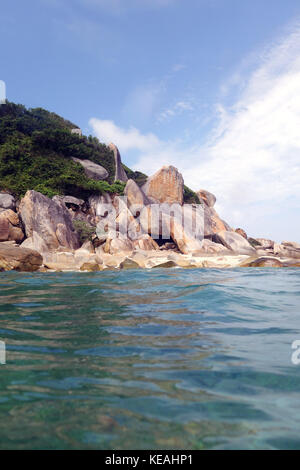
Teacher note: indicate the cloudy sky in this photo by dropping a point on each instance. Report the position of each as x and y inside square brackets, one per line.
[209, 86]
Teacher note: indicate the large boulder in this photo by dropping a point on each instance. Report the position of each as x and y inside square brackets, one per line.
[208, 198]
[165, 186]
[50, 220]
[10, 227]
[7, 201]
[136, 198]
[92, 170]
[234, 242]
[172, 222]
[19, 259]
[118, 246]
[209, 247]
[264, 262]
[120, 174]
[212, 222]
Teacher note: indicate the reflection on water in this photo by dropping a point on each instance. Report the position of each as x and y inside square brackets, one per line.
[185, 359]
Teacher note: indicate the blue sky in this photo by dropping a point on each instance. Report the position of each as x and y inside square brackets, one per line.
[210, 86]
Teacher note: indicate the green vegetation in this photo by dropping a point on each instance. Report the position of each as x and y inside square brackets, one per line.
[36, 150]
[189, 196]
[254, 243]
[84, 230]
[139, 177]
[36, 147]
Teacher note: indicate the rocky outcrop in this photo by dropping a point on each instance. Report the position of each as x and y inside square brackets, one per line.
[265, 262]
[92, 170]
[10, 227]
[234, 242]
[48, 219]
[165, 186]
[287, 250]
[207, 246]
[241, 232]
[19, 259]
[265, 243]
[120, 174]
[69, 201]
[136, 198]
[212, 222]
[7, 201]
[291, 245]
[208, 198]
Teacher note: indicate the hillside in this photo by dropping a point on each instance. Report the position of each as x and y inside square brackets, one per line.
[36, 150]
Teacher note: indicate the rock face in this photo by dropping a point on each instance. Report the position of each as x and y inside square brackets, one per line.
[92, 170]
[166, 185]
[265, 243]
[208, 198]
[49, 219]
[69, 200]
[10, 228]
[234, 242]
[135, 196]
[207, 246]
[264, 262]
[212, 222]
[241, 232]
[7, 201]
[19, 259]
[120, 173]
[287, 250]
[291, 245]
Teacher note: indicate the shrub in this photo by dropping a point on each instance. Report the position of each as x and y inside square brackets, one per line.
[85, 231]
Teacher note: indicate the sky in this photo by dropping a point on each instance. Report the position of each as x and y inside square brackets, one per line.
[209, 86]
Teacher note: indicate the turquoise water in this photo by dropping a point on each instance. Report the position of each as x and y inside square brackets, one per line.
[161, 359]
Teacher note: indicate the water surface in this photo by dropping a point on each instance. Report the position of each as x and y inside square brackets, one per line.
[161, 359]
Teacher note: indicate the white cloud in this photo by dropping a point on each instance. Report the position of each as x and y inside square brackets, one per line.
[252, 159]
[125, 139]
[178, 108]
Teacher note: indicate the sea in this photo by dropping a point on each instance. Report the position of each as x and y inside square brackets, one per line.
[150, 359]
